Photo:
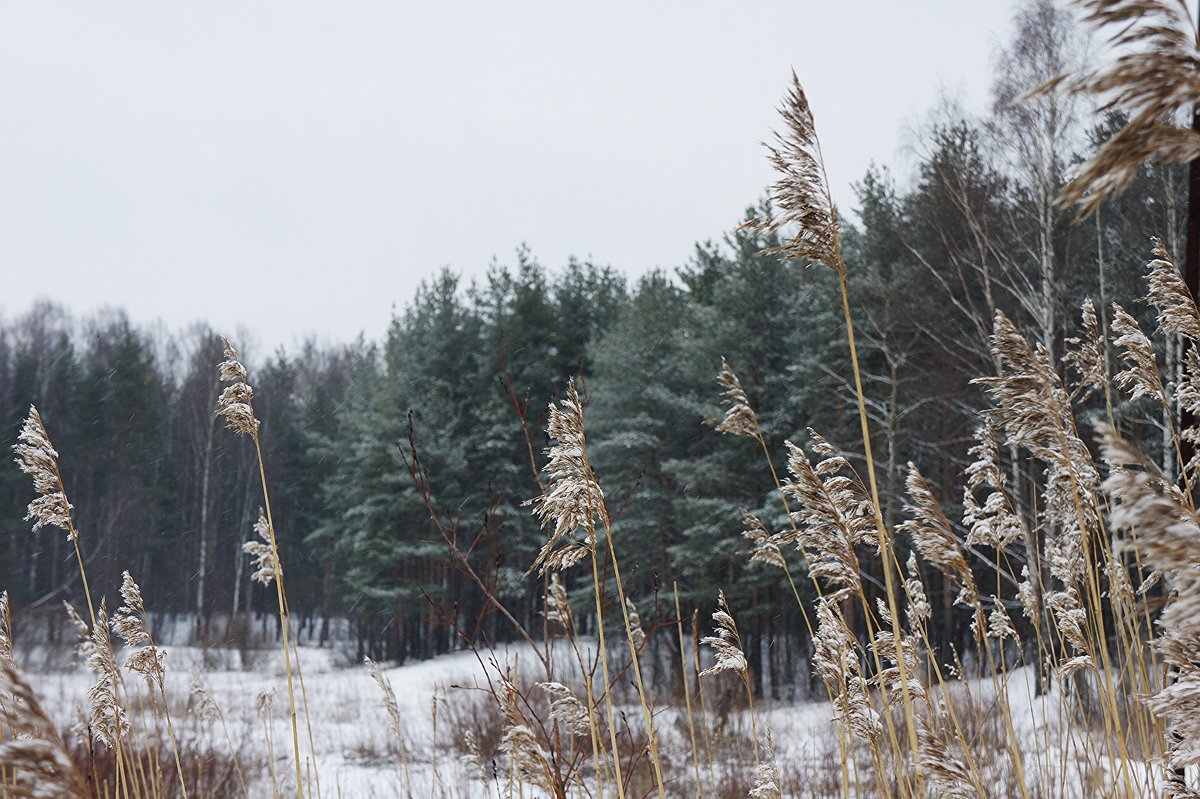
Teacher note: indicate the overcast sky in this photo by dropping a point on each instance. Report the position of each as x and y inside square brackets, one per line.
[297, 167]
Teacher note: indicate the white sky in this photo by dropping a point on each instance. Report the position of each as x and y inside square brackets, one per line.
[298, 167]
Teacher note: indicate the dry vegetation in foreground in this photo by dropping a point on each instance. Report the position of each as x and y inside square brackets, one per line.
[1111, 533]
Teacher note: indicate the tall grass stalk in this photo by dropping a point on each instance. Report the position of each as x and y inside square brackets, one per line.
[235, 405]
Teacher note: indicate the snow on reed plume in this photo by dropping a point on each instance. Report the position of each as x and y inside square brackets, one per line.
[558, 605]
[919, 609]
[994, 523]
[108, 720]
[1085, 353]
[934, 538]
[574, 498]
[948, 776]
[521, 746]
[835, 661]
[1140, 377]
[800, 198]
[766, 774]
[1165, 530]
[834, 515]
[234, 404]
[1169, 294]
[265, 565]
[566, 709]
[38, 459]
[34, 758]
[636, 634]
[129, 623]
[739, 419]
[727, 643]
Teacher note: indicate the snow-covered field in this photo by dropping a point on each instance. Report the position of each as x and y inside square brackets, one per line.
[354, 753]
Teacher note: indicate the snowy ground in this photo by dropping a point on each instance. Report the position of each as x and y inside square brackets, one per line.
[356, 756]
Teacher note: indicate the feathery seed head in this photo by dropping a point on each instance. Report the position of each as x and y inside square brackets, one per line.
[38, 459]
[130, 624]
[934, 537]
[1000, 623]
[835, 661]
[108, 720]
[574, 498]
[1085, 353]
[766, 775]
[1168, 538]
[948, 776]
[835, 514]
[1034, 411]
[1170, 296]
[558, 606]
[265, 565]
[1155, 78]
[521, 745]
[84, 648]
[739, 419]
[765, 546]
[636, 634]
[389, 701]
[919, 609]
[235, 402]
[1141, 370]
[231, 369]
[201, 700]
[993, 523]
[566, 709]
[800, 195]
[727, 643]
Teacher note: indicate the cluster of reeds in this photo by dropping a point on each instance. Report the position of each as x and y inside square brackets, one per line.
[1105, 539]
[116, 750]
[1097, 550]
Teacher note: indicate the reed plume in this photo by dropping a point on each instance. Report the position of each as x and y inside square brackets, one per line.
[1085, 353]
[800, 196]
[1154, 79]
[834, 515]
[38, 458]
[1141, 376]
[265, 565]
[520, 744]
[835, 661]
[34, 760]
[574, 498]
[558, 605]
[1169, 295]
[108, 720]
[934, 538]
[1167, 535]
[764, 546]
[235, 405]
[566, 709]
[766, 775]
[727, 643]
[739, 418]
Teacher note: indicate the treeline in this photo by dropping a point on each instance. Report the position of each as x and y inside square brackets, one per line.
[463, 377]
